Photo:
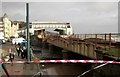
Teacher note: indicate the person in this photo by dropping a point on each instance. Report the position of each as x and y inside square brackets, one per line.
[18, 49]
[11, 56]
[24, 52]
[31, 51]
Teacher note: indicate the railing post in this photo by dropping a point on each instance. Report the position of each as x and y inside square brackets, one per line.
[110, 41]
[96, 40]
[105, 41]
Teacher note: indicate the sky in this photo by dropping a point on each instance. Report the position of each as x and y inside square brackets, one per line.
[85, 17]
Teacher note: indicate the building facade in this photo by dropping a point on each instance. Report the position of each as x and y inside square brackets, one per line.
[8, 28]
[1, 29]
[14, 28]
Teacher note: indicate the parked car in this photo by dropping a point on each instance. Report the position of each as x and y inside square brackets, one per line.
[3, 41]
[17, 40]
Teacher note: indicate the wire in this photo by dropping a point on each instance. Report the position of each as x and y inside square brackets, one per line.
[91, 69]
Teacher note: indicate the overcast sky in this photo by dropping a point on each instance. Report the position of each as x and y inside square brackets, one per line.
[85, 17]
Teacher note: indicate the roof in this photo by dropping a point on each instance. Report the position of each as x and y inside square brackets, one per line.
[14, 22]
[50, 22]
[5, 15]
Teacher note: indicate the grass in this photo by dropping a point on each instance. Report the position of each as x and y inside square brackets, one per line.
[112, 52]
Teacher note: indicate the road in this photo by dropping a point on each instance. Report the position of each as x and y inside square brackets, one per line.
[7, 45]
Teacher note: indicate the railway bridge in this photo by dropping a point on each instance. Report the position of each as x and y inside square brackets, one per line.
[94, 46]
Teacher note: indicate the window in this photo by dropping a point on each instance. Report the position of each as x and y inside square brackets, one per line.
[30, 25]
[68, 26]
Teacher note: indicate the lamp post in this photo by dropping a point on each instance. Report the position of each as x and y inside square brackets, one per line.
[28, 34]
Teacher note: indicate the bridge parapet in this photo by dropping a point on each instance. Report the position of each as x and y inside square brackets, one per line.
[114, 37]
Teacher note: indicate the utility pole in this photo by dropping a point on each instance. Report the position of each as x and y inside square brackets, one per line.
[28, 34]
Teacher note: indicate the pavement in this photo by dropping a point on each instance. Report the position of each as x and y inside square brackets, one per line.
[18, 69]
[27, 69]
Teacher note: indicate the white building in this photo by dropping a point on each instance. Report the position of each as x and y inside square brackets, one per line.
[38, 28]
[1, 30]
[64, 28]
[6, 26]
[14, 29]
